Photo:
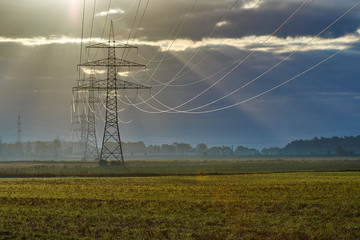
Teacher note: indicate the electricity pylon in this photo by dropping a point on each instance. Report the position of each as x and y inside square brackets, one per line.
[88, 120]
[79, 122]
[91, 146]
[111, 148]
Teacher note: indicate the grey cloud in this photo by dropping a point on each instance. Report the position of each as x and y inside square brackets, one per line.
[264, 20]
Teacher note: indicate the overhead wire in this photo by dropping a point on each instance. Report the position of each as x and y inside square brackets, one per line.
[267, 91]
[281, 84]
[213, 28]
[295, 13]
[195, 1]
[180, 28]
[131, 30]
[103, 30]
[124, 54]
[179, 22]
[125, 13]
[279, 63]
[198, 62]
[91, 30]
[305, 4]
[203, 58]
[82, 35]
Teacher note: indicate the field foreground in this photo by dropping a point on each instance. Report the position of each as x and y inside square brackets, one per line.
[308, 205]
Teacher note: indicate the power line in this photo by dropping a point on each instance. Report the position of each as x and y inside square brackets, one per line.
[192, 110]
[187, 16]
[180, 22]
[279, 63]
[296, 12]
[131, 29]
[283, 83]
[91, 27]
[293, 15]
[103, 30]
[82, 35]
[201, 60]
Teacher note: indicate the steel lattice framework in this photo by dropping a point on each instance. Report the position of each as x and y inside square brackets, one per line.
[91, 146]
[111, 148]
[87, 122]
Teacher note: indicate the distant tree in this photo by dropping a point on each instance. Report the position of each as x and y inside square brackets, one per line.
[40, 147]
[214, 151]
[182, 148]
[153, 149]
[167, 149]
[227, 150]
[28, 148]
[340, 150]
[19, 148]
[56, 146]
[201, 148]
[271, 151]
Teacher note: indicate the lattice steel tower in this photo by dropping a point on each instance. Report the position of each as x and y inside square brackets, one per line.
[91, 146]
[87, 119]
[111, 148]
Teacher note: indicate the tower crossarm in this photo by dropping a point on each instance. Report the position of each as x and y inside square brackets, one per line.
[111, 45]
[113, 63]
[101, 86]
[84, 100]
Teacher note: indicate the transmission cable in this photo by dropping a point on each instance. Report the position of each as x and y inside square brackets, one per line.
[283, 83]
[284, 59]
[82, 36]
[338, 19]
[124, 14]
[202, 59]
[196, 64]
[180, 22]
[103, 31]
[187, 16]
[132, 28]
[295, 13]
[264, 92]
[91, 31]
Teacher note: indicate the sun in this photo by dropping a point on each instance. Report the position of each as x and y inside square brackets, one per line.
[74, 9]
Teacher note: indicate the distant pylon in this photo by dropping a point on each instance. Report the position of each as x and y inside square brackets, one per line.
[19, 129]
[91, 147]
[111, 148]
[85, 122]
[83, 127]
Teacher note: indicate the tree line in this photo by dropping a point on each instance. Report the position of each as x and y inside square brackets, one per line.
[316, 146]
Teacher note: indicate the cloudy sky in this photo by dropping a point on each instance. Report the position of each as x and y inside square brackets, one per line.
[256, 73]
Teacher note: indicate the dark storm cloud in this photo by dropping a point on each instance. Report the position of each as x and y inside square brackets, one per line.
[159, 22]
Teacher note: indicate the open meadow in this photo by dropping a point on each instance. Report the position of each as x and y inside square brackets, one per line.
[286, 205]
[179, 167]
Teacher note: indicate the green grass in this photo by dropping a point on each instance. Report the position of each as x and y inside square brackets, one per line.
[303, 205]
[176, 167]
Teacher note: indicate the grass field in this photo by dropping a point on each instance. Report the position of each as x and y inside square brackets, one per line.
[302, 205]
[177, 167]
